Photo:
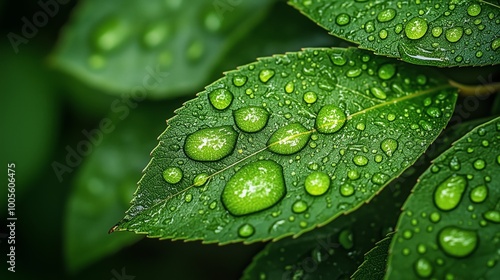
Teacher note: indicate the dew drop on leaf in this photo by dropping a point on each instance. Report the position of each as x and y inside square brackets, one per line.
[310, 97]
[200, 179]
[492, 216]
[457, 242]
[435, 217]
[188, 197]
[479, 164]
[343, 19]
[386, 15]
[338, 58]
[479, 194]
[265, 75]
[353, 174]
[289, 139]
[299, 206]
[211, 144]
[389, 146]
[330, 119]
[378, 93]
[454, 34]
[474, 10]
[360, 160]
[386, 71]
[110, 34]
[449, 193]
[495, 45]
[416, 28]
[172, 175]
[423, 268]
[289, 87]
[317, 183]
[255, 187]
[455, 164]
[346, 190]
[437, 31]
[251, 119]
[380, 178]
[220, 98]
[239, 81]
[246, 230]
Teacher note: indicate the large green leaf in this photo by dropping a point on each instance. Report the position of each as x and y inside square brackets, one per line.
[105, 182]
[286, 144]
[163, 47]
[375, 261]
[450, 225]
[441, 33]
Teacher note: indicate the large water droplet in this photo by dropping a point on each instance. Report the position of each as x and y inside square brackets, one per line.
[389, 146]
[338, 58]
[317, 183]
[454, 34]
[211, 144]
[360, 160]
[343, 19]
[110, 34]
[479, 164]
[492, 216]
[457, 242]
[474, 10]
[172, 175]
[386, 15]
[289, 139]
[265, 75]
[310, 97]
[220, 98]
[423, 268]
[386, 71]
[449, 193]
[416, 28]
[479, 194]
[255, 187]
[251, 119]
[246, 230]
[330, 119]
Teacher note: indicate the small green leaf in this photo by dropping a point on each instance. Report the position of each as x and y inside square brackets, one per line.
[375, 261]
[451, 223]
[162, 48]
[346, 146]
[458, 33]
[105, 182]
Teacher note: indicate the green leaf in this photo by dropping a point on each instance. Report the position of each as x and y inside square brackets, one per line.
[450, 225]
[164, 48]
[336, 250]
[343, 123]
[375, 261]
[458, 33]
[105, 182]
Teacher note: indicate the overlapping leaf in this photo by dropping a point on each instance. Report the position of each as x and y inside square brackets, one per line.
[375, 261]
[441, 33]
[162, 47]
[450, 225]
[343, 120]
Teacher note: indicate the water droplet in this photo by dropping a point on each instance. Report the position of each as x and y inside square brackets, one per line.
[346, 239]
[338, 58]
[289, 139]
[457, 242]
[289, 87]
[386, 71]
[495, 45]
[317, 183]
[195, 50]
[433, 112]
[449, 193]
[310, 97]
[437, 31]
[416, 28]
[386, 15]
[299, 206]
[479, 194]
[435, 217]
[353, 73]
[110, 34]
[256, 186]
[172, 175]
[251, 119]
[346, 189]
[479, 164]
[383, 34]
[360, 126]
[407, 234]
[200, 179]
[454, 34]
[455, 163]
[378, 93]
[353, 174]
[211, 144]
[265, 75]
[360, 160]
[246, 230]
[391, 117]
[188, 197]
[239, 81]
[330, 119]
[380, 178]
[389, 146]
[492, 216]
[156, 34]
[343, 19]
[423, 268]
[220, 98]
[474, 10]
[213, 205]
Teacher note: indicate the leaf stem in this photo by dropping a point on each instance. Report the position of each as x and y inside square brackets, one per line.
[476, 90]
